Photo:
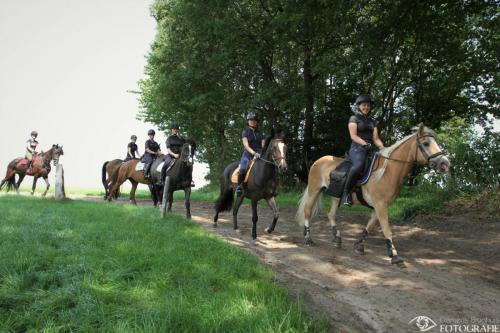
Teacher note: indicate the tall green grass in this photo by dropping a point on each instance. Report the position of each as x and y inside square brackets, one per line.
[76, 266]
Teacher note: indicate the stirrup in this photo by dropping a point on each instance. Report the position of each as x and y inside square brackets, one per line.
[347, 199]
[239, 190]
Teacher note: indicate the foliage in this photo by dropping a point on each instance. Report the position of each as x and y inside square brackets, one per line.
[94, 267]
[300, 64]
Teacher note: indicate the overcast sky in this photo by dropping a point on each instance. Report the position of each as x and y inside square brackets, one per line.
[65, 68]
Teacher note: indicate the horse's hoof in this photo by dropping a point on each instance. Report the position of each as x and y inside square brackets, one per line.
[308, 241]
[337, 242]
[254, 241]
[237, 231]
[188, 217]
[32, 193]
[359, 248]
[268, 230]
[214, 225]
[397, 260]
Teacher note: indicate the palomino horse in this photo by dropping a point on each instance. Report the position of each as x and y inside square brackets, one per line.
[109, 173]
[380, 191]
[127, 171]
[40, 168]
[262, 184]
[180, 176]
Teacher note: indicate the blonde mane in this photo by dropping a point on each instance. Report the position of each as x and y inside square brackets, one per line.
[386, 152]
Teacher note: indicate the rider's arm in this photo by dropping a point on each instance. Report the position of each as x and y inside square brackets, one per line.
[28, 146]
[129, 153]
[171, 153]
[376, 139]
[247, 146]
[353, 132]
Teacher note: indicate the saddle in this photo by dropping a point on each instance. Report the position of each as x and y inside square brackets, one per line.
[236, 172]
[171, 164]
[338, 176]
[24, 161]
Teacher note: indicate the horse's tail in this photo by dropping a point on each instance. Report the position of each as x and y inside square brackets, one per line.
[226, 198]
[305, 203]
[104, 178]
[10, 178]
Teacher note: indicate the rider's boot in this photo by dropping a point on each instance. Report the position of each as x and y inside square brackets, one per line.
[147, 169]
[349, 185]
[239, 188]
[28, 167]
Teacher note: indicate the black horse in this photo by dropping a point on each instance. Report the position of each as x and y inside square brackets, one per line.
[180, 176]
[262, 184]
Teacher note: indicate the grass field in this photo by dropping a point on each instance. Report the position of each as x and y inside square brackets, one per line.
[78, 266]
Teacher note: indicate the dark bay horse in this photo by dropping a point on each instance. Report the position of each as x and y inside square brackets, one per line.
[40, 168]
[180, 176]
[127, 170]
[110, 173]
[262, 184]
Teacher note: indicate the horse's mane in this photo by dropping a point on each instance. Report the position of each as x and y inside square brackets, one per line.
[386, 152]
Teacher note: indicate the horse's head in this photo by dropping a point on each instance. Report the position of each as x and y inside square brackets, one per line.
[429, 150]
[276, 149]
[187, 152]
[57, 151]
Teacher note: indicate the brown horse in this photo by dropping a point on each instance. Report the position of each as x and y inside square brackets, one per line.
[127, 171]
[40, 168]
[109, 174]
[381, 189]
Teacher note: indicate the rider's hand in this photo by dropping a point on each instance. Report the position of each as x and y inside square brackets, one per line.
[367, 145]
[256, 155]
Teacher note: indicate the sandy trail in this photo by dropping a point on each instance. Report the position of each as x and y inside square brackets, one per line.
[452, 267]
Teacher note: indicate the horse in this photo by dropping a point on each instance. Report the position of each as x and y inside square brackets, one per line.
[180, 176]
[127, 171]
[262, 184]
[40, 168]
[394, 163]
[109, 173]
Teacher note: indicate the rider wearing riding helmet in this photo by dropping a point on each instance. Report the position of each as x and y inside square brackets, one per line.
[364, 134]
[31, 149]
[132, 149]
[253, 141]
[151, 151]
[174, 143]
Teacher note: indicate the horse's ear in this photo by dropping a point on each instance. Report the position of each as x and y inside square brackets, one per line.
[53, 146]
[421, 128]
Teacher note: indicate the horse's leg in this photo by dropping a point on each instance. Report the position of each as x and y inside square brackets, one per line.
[381, 211]
[332, 217]
[170, 200]
[46, 178]
[276, 214]
[152, 191]
[19, 181]
[33, 187]
[255, 218]
[309, 206]
[115, 185]
[236, 207]
[187, 202]
[359, 246]
[132, 191]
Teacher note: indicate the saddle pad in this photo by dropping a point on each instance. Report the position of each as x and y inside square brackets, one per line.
[234, 176]
[23, 161]
[368, 171]
[160, 166]
[139, 166]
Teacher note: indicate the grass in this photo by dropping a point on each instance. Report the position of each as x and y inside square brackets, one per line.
[77, 266]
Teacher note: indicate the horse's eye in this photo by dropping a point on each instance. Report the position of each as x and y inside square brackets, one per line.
[426, 144]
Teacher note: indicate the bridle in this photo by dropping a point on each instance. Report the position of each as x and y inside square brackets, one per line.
[275, 161]
[190, 154]
[419, 146]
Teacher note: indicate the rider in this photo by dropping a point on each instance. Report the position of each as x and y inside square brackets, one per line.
[364, 133]
[174, 143]
[253, 141]
[31, 149]
[132, 149]
[151, 151]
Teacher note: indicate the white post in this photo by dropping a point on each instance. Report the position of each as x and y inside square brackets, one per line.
[60, 193]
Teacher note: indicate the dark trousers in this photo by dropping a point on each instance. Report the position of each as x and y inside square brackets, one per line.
[357, 156]
[147, 159]
[244, 163]
[167, 160]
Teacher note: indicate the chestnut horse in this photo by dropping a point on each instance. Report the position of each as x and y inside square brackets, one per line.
[127, 171]
[380, 191]
[40, 168]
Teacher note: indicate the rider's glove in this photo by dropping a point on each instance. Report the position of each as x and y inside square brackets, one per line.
[256, 155]
[367, 145]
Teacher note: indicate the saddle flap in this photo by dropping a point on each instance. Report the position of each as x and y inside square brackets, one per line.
[236, 172]
[139, 166]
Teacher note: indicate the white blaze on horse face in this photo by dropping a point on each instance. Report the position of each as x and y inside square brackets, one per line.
[281, 148]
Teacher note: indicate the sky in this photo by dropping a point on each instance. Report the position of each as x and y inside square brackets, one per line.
[65, 69]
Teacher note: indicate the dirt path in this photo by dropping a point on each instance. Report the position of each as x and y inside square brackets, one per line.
[453, 268]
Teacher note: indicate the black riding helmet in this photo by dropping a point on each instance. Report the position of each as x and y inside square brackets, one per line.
[151, 132]
[174, 126]
[133, 137]
[252, 116]
[364, 99]
[35, 133]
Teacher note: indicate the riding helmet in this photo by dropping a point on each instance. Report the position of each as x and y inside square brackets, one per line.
[364, 99]
[35, 133]
[151, 132]
[174, 126]
[252, 116]
[133, 137]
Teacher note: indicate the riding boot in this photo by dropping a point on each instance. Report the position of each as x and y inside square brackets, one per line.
[348, 187]
[28, 167]
[147, 169]
[239, 188]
